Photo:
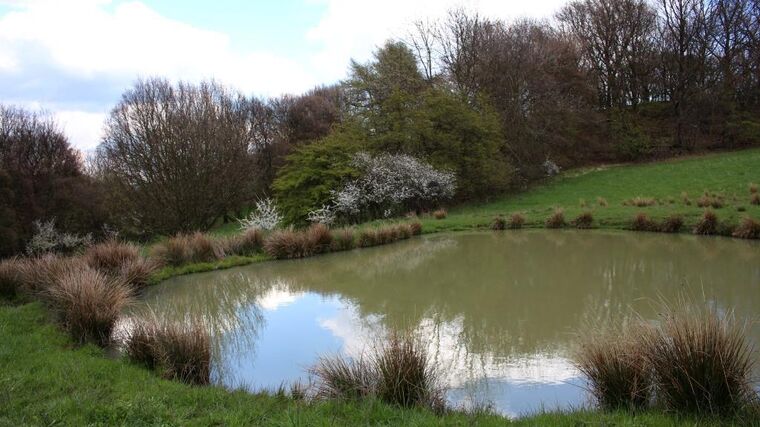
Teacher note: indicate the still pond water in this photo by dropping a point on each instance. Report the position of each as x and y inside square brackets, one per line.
[498, 310]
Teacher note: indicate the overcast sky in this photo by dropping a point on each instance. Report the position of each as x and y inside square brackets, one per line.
[74, 58]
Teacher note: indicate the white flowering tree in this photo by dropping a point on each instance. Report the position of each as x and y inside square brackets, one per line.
[389, 184]
[47, 239]
[264, 217]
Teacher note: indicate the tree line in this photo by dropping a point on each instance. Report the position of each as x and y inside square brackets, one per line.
[498, 104]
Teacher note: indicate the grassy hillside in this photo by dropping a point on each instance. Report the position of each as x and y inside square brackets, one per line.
[728, 174]
[45, 381]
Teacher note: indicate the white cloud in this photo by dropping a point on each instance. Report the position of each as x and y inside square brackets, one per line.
[104, 46]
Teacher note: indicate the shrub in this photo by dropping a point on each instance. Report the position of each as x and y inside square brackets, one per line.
[248, 242]
[516, 220]
[88, 303]
[642, 222]
[701, 361]
[672, 224]
[10, 277]
[584, 220]
[616, 369]
[440, 213]
[47, 239]
[343, 240]
[708, 224]
[264, 217]
[498, 223]
[556, 219]
[110, 256]
[416, 228]
[601, 201]
[748, 229]
[179, 351]
[755, 199]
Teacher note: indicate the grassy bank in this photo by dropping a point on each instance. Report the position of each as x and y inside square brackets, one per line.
[726, 174]
[47, 381]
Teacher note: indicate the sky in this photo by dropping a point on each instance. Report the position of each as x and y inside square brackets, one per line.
[74, 58]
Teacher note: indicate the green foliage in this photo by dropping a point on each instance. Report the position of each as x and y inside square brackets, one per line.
[312, 171]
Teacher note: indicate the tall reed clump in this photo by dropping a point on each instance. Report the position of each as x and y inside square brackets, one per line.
[440, 213]
[399, 372]
[343, 240]
[121, 260]
[416, 228]
[187, 248]
[250, 241]
[701, 361]
[584, 220]
[39, 273]
[616, 369]
[284, 244]
[180, 351]
[498, 223]
[88, 303]
[708, 224]
[749, 228]
[754, 199]
[672, 224]
[642, 222]
[10, 277]
[516, 221]
[556, 219]
[601, 201]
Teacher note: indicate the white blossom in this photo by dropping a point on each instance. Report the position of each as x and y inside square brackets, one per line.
[324, 215]
[264, 217]
[389, 182]
[47, 239]
[551, 168]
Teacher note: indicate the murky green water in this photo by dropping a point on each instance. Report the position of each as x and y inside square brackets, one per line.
[499, 309]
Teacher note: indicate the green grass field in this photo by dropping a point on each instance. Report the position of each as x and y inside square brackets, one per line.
[728, 174]
[44, 380]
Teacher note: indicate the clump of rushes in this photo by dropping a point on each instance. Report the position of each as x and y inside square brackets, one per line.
[180, 351]
[440, 213]
[749, 228]
[642, 222]
[38, 274]
[250, 241]
[685, 198]
[584, 220]
[368, 237]
[343, 240]
[516, 221]
[416, 228]
[616, 369]
[110, 256]
[137, 272]
[708, 200]
[317, 239]
[88, 303]
[556, 219]
[708, 224]
[203, 248]
[404, 231]
[399, 372]
[601, 201]
[282, 244]
[672, 224]
[755, 199]
[344, 379]
[582, 203]
[753, 188]
[640, 202]
[498, 223]
[701, 361]
[10, 277]
[182, 249]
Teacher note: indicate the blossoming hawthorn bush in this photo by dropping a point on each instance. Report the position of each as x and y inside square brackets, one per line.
[264, 217]
[388, 184]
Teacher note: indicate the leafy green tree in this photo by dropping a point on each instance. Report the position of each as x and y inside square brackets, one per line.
[312, 171]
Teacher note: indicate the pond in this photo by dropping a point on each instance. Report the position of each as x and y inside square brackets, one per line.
[498, 310]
